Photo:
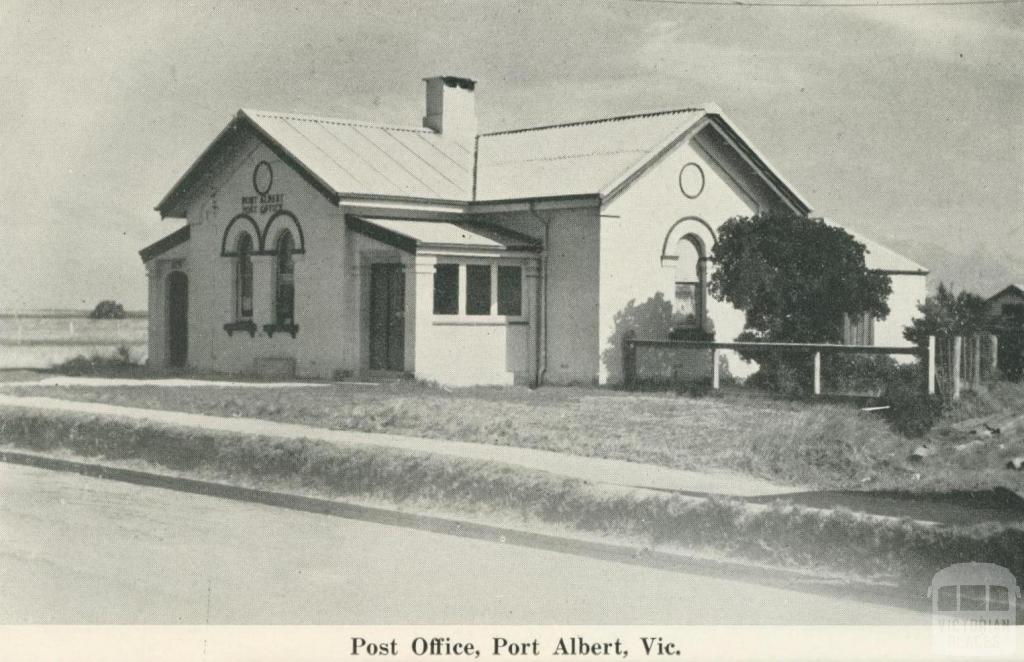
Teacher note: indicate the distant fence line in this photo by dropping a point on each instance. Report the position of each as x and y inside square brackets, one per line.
[950, 368]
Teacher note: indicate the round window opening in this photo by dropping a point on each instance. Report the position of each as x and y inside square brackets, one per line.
[262, 178]
[691, 180]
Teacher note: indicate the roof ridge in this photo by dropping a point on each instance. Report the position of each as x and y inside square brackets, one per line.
[599, 120]
[302, 117]
[574, 155]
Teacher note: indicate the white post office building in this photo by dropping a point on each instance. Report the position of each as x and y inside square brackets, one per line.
[329, 248]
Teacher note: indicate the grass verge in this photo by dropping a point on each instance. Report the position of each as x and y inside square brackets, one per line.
[812, 444]
[799, 443]
[780, 534]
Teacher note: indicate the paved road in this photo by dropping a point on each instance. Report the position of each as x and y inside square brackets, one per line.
[85, 550]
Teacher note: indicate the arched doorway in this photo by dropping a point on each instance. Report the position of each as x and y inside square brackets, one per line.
[177, 320]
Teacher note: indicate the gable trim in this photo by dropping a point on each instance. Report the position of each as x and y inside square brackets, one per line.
[749, 153]
[161, 246]
[633, 172]
[170, 204]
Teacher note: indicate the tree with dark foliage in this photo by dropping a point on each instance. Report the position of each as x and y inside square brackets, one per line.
[948, 314]
[107, 310]
[795, 278]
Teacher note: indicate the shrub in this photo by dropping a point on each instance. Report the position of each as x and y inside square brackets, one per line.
[108, 310]
[857, 373]
[99, 364]
[911, 411]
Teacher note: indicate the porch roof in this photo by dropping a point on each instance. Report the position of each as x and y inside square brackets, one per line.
[418, 236]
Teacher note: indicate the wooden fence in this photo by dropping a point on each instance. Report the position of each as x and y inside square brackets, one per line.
[950, 368]
[963, 363]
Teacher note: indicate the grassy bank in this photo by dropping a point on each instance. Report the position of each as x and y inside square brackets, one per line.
[781, 534]
[829, 446]
[794, 442]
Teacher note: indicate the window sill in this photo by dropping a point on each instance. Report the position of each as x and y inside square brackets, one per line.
[481, 320]
[245, 325]
[290, 329]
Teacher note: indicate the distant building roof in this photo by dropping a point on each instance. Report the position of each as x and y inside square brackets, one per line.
[1018, 288]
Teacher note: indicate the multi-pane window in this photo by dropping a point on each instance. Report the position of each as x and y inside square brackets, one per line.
[243, 278]
[446, 289]
[478, 290]
[690, 285]
[284, 295]
[859, 329]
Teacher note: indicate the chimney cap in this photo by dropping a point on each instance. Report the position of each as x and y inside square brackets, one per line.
[455, 81]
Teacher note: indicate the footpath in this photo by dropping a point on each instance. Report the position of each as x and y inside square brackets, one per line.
[620, 473]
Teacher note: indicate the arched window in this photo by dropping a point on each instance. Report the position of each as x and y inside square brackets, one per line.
[243, 278]
[284, 290]
[688, 305]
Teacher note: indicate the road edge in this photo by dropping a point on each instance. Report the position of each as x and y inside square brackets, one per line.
[618, 553]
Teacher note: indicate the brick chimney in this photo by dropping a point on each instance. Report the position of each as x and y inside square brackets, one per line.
[451, 107]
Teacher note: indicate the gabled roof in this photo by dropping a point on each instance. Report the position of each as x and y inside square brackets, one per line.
[571, 159]
[345, 157]
[600, 156]
[341, 157]
[373, 159]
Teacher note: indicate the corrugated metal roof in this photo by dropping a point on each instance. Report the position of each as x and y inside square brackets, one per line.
[878, 257]
[571, 159]
[414, 235]
[373, 159]
[580, 158]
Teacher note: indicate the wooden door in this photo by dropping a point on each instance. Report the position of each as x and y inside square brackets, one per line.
[177, 320]
[387, 317]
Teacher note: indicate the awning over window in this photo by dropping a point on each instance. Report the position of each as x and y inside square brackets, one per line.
[430, 236]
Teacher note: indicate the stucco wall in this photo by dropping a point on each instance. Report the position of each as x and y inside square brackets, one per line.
[573, 265]
[157, 271]
[326, 340]
[637, 286]
[908, 292]
[477, 353]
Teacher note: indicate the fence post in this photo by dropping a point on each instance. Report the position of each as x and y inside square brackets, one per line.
[714, 368]
[976, 376]
[955, 365]
[817, 373]
[930, 387]
[628, 359]
[994, 354]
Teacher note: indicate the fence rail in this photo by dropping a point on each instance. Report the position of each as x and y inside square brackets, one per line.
[953, 363]
[631, 343]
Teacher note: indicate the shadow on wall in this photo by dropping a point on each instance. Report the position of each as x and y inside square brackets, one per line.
[650, 319]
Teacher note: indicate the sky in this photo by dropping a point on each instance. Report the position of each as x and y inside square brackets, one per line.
[904, 123]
